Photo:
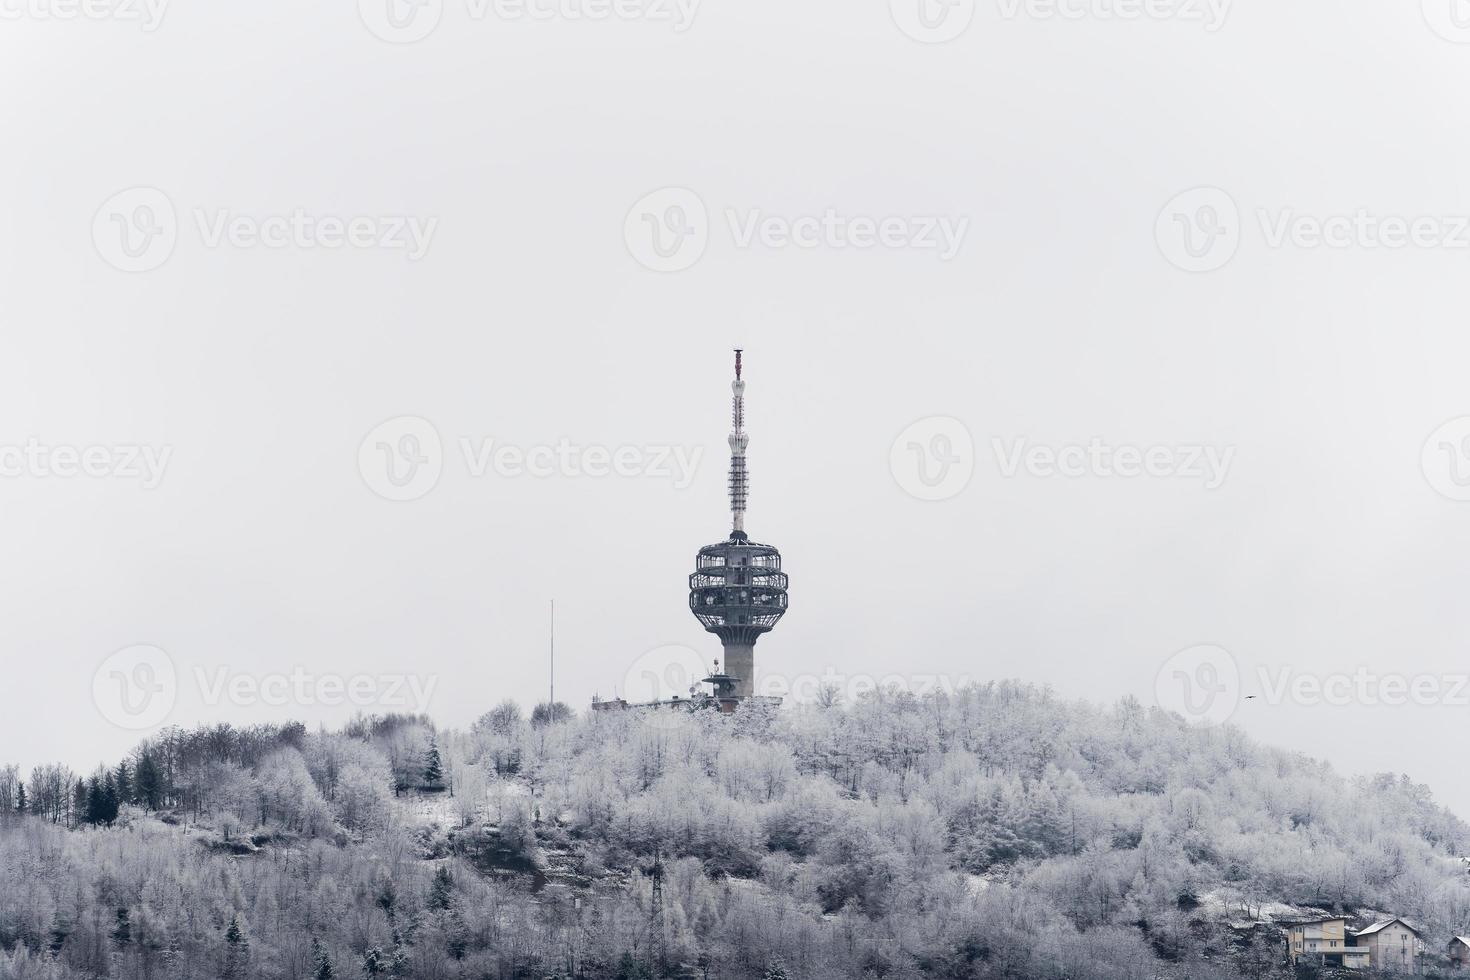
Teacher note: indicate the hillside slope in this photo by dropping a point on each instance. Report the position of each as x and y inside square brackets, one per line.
[996, 832]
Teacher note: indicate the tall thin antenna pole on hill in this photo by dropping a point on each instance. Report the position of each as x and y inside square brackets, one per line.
[551, 705]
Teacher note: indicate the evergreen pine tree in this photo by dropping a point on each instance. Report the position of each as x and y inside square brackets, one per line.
[94, 801]
[398, 959]
[122, 932]
[109, 799]
[549, 713]
[630, 969]
[441, 891]
[372, 963]
[237, 950]
[388, 899]
[122, 778]
[433, 766]
[147, 783]
[322, 968]
[79, 803]
[457, 942]
[60, 929]
[20, 797]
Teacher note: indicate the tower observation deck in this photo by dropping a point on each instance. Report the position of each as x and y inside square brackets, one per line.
[738, 590]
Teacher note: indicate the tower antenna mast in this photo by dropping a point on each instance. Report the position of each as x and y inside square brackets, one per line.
[551, 705]
[739, 442]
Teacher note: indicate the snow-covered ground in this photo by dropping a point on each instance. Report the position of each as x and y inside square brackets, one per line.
[426, 810]
[1231, 909]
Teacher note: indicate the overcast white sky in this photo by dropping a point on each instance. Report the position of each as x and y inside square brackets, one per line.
[522, 146]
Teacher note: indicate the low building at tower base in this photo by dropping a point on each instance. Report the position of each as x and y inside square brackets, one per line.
[723, 698]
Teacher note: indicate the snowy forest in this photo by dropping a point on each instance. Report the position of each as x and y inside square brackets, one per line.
[994, 832]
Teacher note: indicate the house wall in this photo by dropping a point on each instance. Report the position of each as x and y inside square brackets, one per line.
[1311, 940]
[1394, 948]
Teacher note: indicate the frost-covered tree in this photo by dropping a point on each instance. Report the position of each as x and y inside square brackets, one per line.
[987, 832]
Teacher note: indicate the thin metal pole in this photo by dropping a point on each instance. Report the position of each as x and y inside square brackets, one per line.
[551, 705]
